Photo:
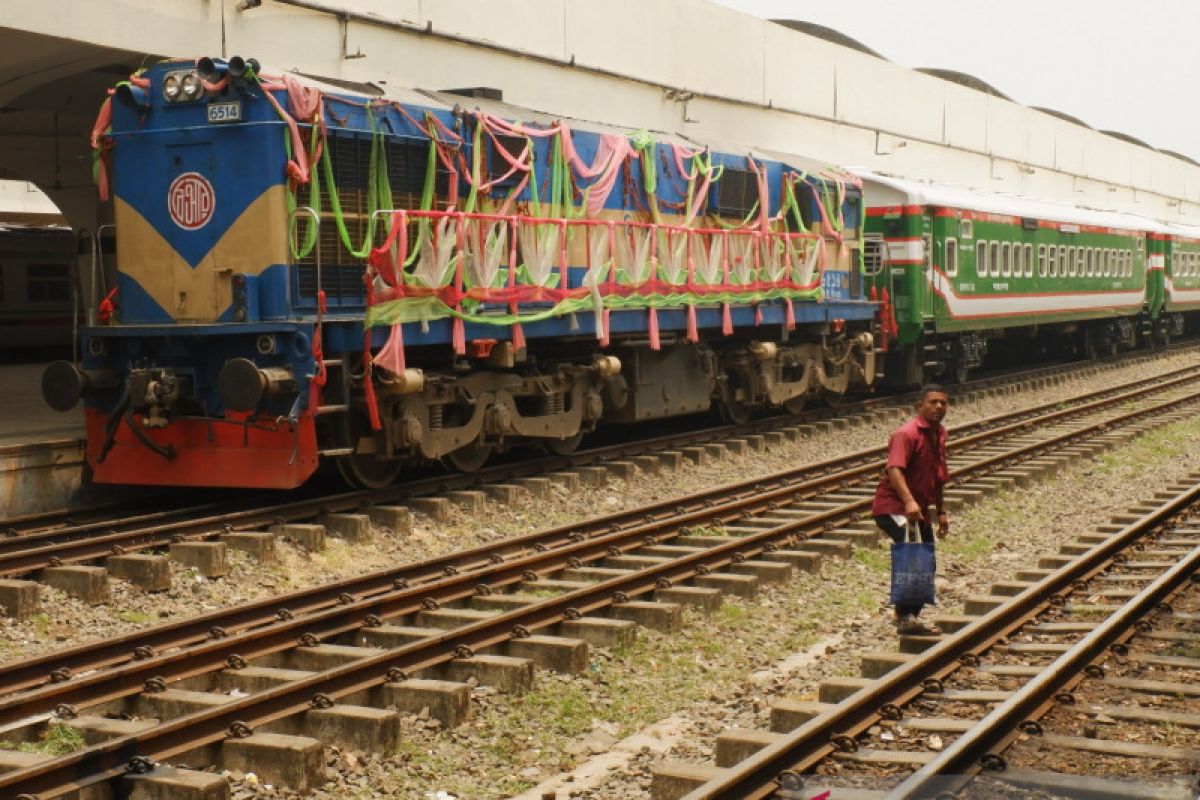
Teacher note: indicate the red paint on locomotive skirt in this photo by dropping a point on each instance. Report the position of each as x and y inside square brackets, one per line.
[217, 454]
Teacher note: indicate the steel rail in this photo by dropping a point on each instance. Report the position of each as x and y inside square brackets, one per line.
[758, 776]
[952, 768]
[97, 547]
[109, 759]
[45, 524]
[721, 505]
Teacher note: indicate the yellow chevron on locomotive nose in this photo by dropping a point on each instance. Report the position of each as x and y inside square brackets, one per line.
[255, 241]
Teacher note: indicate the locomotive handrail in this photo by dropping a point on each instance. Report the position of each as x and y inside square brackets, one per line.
[315, 218]
[98, 270]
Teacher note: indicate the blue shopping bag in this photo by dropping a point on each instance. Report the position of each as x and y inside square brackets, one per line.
[914, 565]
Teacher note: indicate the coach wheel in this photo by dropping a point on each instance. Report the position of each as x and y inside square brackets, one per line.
[563, 447]
[367, 470]
[1091, 349]
[833, 399]
[795, 405]
[960, 372]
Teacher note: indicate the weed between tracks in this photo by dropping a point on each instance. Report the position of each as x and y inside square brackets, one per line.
[57, 740]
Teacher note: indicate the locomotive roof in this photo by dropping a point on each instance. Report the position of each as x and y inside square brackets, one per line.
[911, 192]
[498, 108]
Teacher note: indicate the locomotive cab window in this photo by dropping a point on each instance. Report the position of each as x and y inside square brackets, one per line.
[951, 265]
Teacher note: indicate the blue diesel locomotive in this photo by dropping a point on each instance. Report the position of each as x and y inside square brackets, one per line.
[309, 271]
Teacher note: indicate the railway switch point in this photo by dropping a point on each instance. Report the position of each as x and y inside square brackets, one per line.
[449, 702]
[310, 537]
[87, 584]
[662, 617]
[600, 631]
[672, 781]
[436, 508]
[19, 599]
[293, 762]
[397, 519]
[471, 502]
[735, 746]
[210, 559]
[355, 528]
[504, 673]
[706, 600]
[171, 783]
[556, 653]
[259, 545]
[730, 583]
[505, 493]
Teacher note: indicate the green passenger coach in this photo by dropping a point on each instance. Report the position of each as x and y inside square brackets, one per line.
[955, 270]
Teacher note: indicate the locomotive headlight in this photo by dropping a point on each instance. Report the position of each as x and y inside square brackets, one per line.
[171, 88]
[191, 86]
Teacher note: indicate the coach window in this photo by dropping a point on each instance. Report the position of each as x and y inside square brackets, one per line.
[981, 259]
[1128, 263]
[1042, 267]
[47, 283]
[993, 258]
[1004, 265]
[1091, 261]
[1107, 262]
[1029, 261]
[951, 258]
[1077, 261]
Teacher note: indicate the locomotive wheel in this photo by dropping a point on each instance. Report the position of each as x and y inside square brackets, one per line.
[1091, 350]
[833, 399]
[470, 457]
[795, 406]
[734, 412]
[563, 447]
[367, 471]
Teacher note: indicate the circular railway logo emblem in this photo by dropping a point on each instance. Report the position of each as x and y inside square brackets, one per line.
[191, 200]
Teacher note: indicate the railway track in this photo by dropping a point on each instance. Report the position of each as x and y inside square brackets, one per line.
[1065, 682]
[66, 524]
[332, 656]
[244, 522]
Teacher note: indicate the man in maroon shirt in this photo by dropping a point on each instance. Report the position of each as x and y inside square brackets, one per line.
[913, 480]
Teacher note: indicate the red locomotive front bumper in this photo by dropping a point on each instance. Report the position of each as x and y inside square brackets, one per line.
[204, 453]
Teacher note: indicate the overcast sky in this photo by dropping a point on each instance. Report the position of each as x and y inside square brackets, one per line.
[1116, 65]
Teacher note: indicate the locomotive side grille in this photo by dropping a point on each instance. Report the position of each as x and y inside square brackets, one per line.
[350, 160]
